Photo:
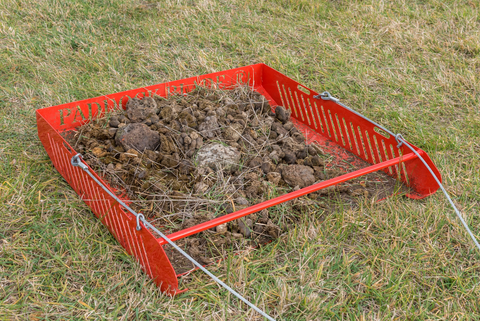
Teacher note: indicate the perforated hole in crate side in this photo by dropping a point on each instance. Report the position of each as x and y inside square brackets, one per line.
[377, 148]
[347, 134]
[131, 239]
[325, 121]
[313, 112]
[308, 112]
[92, 197]
[106, 206]
[367, 138]
[106, 216]
[116, 214]
[303, 110]
[139, 255]
[352, 128]
[332, 125]
[58, 157]
[95, 197]
[297, 107]
[362, 143]
[381, 149]
[147, 261]
[340, 130]
[103, 207]
[60, 161]
[281, 95]
[86, 196]
[402, 173]
[287, 102]
[85, 186]
[392, 154]
[123, 231]
[405, 175]
[65, 164]
[385, 152]
[118, 228]
[395, 168]
[112, 221]
[319, 118]
[63, 160]
[76, 180]
[290, 105]
[55, 158]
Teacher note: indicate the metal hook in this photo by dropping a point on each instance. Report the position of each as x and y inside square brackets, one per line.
[77, 162]
[399, 138]
[327, 96]
[139, 216]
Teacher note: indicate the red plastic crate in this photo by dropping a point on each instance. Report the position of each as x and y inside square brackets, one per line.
[338, 130]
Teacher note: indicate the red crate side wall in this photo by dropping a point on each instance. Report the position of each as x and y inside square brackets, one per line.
[71, 115]
[332, 121]
[142, 244]
[339, 126]
[228, 79]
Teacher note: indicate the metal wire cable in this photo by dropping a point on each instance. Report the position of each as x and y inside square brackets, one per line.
[77, 162]
[400, 140]
[444, 192]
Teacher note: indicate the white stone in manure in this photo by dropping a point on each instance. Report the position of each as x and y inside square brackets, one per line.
[218, 156]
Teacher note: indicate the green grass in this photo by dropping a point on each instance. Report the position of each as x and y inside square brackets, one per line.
[413, 66]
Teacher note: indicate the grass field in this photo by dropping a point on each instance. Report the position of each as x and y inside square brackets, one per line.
[413, 66]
